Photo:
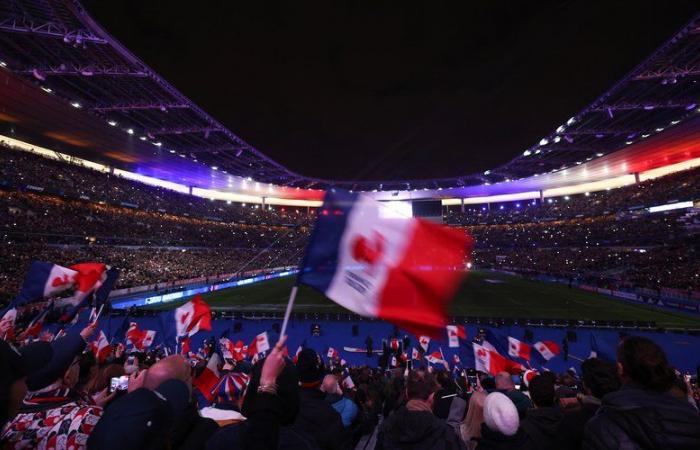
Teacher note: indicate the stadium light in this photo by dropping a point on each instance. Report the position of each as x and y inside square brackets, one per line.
[599, 154]
[214, 168]
[130, 131]
[3, 64]
[571, 121]
[587, 194]
[560, 129]
[544, 141]
[172, 151]
[112, 123]
[45, 89]
[76, 105]
[157, 144]
[566, 197]
[143, 138]
[557, 139]
[487, 172]
[527, 153]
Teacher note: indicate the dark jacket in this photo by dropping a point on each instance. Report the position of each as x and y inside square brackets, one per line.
[634, 418]
[541, 426]
[494, 440]
[414, 430]
[317, 418]
[572, 426]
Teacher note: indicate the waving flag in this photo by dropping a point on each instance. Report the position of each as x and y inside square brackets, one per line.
[44, 280]
[436, 357]
[454, 334]
[415, 354]
[87, 279]
[547, 349]
[206, 382]
[518, 349]
[227, 348]
[490, 361]
[402, 270]
[424, 342]
[260, 344]
[332, 353]
[7, 324]
[101, 348]
[193, 316]
[139, 339]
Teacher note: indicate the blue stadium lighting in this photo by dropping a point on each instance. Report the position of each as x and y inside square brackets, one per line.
[501, 207]
[517, 205]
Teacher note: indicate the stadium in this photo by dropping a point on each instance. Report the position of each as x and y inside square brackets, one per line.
[147, 241]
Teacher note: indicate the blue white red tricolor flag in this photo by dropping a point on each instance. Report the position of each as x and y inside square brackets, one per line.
[403, 270]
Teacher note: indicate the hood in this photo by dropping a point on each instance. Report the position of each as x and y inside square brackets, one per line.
[413, 427]
[543, 421]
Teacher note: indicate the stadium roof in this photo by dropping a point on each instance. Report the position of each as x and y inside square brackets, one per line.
[57, 46]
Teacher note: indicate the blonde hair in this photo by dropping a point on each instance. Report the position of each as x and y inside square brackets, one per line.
[470, 428]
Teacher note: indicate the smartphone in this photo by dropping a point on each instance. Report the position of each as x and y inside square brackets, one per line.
[119, 383]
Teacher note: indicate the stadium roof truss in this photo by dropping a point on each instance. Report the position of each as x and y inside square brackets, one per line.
[57, 45]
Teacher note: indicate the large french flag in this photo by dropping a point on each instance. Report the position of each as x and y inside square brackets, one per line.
[403, 270]
[44, 280]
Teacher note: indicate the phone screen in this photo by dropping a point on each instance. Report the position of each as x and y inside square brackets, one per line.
[119, 383]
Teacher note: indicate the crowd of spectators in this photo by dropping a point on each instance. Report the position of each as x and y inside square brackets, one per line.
[155, 235]
[20, 169]
[57, 395]
[676, 187]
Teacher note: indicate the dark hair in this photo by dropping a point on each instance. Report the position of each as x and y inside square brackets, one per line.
[542, 391]
[600, 377]
[420, 384]
[443, 378]
[645, 363]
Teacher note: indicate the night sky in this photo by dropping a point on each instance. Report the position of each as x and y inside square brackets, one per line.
[390, 90]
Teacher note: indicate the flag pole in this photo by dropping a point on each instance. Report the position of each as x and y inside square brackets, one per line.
[288, 312]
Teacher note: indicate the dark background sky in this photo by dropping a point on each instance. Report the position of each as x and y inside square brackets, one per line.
[388, 90]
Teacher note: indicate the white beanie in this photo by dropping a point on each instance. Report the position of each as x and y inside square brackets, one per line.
[500, 414]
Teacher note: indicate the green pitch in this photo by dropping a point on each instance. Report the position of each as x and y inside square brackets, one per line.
[485, 294]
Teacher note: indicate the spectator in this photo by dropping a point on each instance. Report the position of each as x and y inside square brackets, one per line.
[414, 426]
[334, 395]
[501, 427]
[470, 429]
[53, 415]
[642, 414]
[16, 365]
[542, 423]
[317, 418]
[505, 384]
[599, 378]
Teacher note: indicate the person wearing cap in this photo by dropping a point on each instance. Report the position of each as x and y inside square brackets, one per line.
[316, 416]
[414, 426]
[53, 414]
[17, 364]
[501, 427]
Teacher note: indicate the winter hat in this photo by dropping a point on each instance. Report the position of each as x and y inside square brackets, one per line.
[310, 367]
[500, 414]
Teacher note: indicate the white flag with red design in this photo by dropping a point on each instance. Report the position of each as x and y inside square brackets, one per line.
[547, 349]
[101, 348]
[518, 349]
[139, 339]
[454, 334]
[490, 361]
[193, 316]
[259, 345]
[424, 342]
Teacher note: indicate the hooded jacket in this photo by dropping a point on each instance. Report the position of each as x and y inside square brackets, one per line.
[541, 426]
[414, 430]
[635, 418]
